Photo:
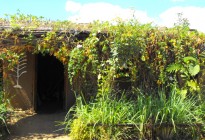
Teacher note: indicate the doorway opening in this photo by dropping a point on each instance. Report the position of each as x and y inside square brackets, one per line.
[50, 84]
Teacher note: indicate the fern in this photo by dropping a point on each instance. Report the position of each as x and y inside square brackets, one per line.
[174, 67]
[187, 69]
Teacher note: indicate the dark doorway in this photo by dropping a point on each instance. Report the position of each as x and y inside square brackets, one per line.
[50, 84]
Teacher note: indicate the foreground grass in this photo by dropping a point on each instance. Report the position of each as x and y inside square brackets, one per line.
[3, 116]
[121, 118]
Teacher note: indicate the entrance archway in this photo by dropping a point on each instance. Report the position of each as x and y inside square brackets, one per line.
[50, 84]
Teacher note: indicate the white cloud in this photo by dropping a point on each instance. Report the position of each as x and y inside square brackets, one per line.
[72, 6]
[85, 13]
[195, 16]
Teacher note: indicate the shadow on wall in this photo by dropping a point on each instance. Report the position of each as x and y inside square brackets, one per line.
[18, 97]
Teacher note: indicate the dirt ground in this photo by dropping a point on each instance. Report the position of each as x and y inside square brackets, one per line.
[26, 125]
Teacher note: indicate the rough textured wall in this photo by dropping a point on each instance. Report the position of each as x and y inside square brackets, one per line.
[22, 98]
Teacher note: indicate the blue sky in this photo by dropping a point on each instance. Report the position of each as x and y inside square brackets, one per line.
[161, 12]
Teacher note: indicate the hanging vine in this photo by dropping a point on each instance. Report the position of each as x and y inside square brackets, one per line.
[105, 52]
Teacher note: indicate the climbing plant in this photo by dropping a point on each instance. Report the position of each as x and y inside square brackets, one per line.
[140, 53]
[144, 53]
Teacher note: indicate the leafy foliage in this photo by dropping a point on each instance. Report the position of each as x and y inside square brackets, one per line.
[149, 57]
[3, 109]
[3, 106]
[186, 71]
[126, 49]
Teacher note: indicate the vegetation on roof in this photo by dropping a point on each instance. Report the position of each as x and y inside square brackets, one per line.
[31, 22]
[125, 48]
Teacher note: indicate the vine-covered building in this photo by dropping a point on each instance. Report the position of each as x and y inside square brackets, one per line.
[36, 80]
[39, 57]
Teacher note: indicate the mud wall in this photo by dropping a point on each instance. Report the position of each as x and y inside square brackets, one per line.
[25, 97]
[21, 97]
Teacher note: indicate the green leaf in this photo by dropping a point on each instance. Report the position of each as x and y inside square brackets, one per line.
[194, 70]
[183, 93]
[174, 67]
[183, 75]
[143, 58]
[192, 84]
[189, 58]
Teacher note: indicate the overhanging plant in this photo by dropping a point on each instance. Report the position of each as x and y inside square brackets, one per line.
[185, 73]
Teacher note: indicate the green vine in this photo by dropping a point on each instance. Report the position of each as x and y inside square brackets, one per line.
[141, 53]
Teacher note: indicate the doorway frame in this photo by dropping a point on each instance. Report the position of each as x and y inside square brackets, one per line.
[66, 85]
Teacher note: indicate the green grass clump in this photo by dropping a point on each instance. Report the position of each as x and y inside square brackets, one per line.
[167, 117]
[176, 114]
[108, 118]
[3, 116]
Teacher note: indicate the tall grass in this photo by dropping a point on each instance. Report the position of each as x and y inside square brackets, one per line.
[3, 111]
[176, 113]
[108, 118]
[122, 118]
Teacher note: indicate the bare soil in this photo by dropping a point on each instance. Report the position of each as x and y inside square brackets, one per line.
[26, 125]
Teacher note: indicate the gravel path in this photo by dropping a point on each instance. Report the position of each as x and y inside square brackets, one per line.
[25, 125]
